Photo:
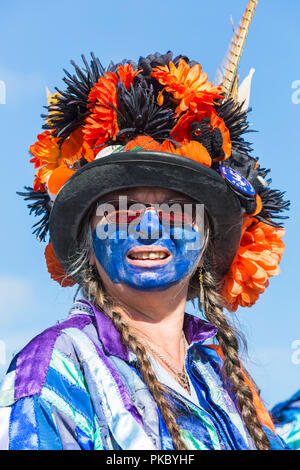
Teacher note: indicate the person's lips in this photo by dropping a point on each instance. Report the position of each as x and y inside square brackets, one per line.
[148, 257]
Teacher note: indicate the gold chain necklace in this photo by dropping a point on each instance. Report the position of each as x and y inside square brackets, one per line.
[181, 377]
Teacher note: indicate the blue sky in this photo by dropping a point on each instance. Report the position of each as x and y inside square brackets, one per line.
[38, 39]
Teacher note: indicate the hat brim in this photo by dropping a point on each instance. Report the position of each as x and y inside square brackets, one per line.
[151, 169]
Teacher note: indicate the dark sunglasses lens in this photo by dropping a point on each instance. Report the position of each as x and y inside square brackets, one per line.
[124, 213]
[178, 215]
[126, 216]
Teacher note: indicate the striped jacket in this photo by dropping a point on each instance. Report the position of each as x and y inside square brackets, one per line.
[76, 386]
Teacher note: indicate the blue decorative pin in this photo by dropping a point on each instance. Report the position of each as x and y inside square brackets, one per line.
[237, 181]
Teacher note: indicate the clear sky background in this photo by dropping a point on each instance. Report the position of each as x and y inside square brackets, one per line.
[38, 39]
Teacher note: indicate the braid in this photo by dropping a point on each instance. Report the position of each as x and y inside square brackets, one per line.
[104, 302]
[232, 366]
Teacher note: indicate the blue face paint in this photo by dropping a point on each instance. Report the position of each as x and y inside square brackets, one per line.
[183, 243]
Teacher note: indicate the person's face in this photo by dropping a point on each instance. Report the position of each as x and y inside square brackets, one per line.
[154, 255]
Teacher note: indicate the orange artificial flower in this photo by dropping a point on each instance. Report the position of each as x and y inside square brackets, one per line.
[126, 74]
[101, 125]
[257, 260]
[58, 178]
[55, 162]
[182, 130]
[74, 148]
[189, 86]
[46, 155]
[143, 142]
[55, 269]
[193, 150]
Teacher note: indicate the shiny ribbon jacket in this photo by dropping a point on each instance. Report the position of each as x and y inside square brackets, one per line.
[77, 386]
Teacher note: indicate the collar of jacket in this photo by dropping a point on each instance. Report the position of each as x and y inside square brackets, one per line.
[195, 330]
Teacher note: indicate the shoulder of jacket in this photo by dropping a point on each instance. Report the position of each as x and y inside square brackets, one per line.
[28, 370]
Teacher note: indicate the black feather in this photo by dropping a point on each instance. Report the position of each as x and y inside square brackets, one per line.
[139, 114]
[70, 110]
[41, 205]
[236, 121]
[273, 205]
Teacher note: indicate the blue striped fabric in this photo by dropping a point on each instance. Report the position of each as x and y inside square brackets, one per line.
[76, 397]
[48, 434]
[23, 427]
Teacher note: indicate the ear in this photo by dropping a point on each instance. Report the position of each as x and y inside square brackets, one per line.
[92, 259]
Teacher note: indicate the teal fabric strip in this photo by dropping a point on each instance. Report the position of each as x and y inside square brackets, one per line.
[7, 390]
[293, 440]
[51, 397]
[209, 426]
[98, 441]
[63, 365]
[191, 442]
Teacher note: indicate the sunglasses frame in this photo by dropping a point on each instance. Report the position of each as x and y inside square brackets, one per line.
[146, 206]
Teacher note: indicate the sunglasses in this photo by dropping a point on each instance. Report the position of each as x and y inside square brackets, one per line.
[175, 212]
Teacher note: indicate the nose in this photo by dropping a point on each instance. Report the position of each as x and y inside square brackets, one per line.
[149, 226]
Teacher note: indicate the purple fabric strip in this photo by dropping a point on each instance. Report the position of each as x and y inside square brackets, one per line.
[122, 389]
[33, 361]
[197, 330]
[108, 335]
